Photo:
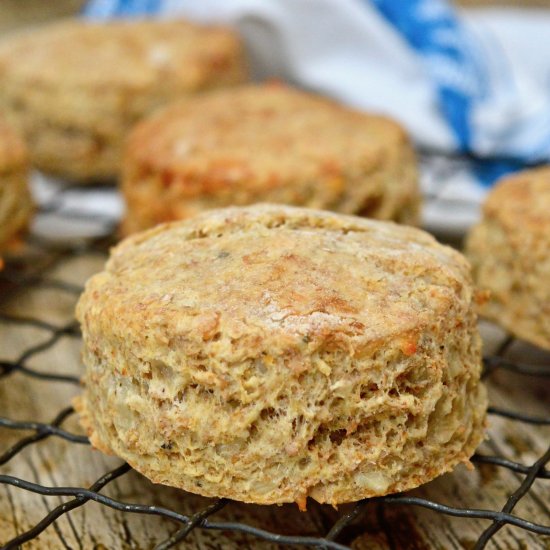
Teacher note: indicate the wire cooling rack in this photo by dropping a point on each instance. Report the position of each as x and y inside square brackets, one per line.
[35, 270]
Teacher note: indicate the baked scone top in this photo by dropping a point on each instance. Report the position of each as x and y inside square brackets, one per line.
[259, 135]
[522, 201]
[274, 277]
[13, 152]
[128, 54]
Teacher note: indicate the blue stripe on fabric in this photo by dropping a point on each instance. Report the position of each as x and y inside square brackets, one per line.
[456, 109]
[489, 171]
[432, 28]
[455, 66]
[121, 8]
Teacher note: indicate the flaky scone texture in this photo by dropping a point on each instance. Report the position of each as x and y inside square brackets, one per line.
[510, 255]
[76, 87]
[270, 353]
[267, 143]
[16, 205]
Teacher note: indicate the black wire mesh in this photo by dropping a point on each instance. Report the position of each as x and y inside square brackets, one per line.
[35, 271]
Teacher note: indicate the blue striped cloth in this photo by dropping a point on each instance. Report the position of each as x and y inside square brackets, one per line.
[469, 85]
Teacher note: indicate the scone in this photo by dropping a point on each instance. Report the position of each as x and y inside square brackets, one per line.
[510, 254]
[16, 205]
[76, 87]
[267, 143]
[271, 353]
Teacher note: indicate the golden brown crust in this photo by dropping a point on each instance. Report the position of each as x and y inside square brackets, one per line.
[16, 205]
[267, 143]
[510, 254]
[13, 153]
[76, 87]
[271, 353]
[522, 202]
[176, 50]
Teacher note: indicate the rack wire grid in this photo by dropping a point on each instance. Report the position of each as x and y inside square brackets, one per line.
[35, 270]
